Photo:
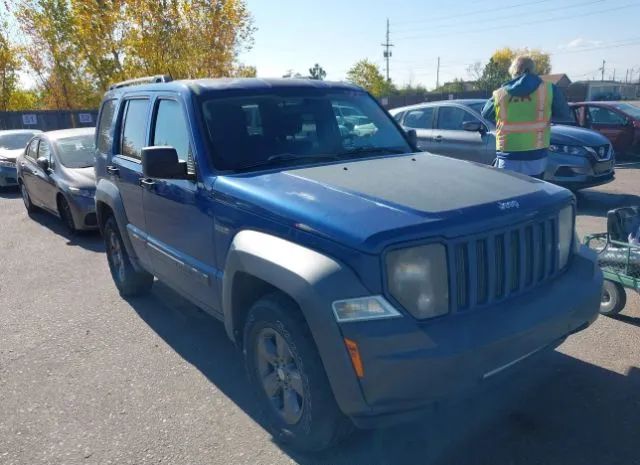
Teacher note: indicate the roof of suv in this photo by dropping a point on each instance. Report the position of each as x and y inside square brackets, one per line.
[238, 84]
[463, 102]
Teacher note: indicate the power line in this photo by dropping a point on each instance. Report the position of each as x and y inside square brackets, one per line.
[472, 13]
[529, 23]
[497, 18]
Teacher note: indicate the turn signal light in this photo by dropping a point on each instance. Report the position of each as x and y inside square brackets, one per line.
[354, 353]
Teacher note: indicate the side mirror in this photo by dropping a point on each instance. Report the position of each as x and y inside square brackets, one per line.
[43, 163]
[162, 162]
[473, 126]
[412, 135]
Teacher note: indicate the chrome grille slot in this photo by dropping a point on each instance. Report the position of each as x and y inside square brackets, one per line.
[482, 271]
[499, 266]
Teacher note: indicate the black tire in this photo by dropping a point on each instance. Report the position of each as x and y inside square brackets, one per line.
[26, 199]
[614, 298]
[66, 216]
[318, 423]
[130, 283]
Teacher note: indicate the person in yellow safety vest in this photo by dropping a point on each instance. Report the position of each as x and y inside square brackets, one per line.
[522, 110]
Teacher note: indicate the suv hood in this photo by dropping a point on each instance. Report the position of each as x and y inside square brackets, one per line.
[369, 204]
[571, 135]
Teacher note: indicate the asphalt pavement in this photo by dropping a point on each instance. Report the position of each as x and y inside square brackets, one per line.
[89, 378]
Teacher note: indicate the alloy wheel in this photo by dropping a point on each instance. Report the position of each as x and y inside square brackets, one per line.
[280, 376]
[116, 255]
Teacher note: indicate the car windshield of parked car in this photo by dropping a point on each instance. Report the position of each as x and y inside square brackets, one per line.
[15, 141]
[263, 130]
[76, 151]
[629, 109]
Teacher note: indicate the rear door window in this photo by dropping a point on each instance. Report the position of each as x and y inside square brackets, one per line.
[419, 119]
[105, 138]
[134, 128]
[600, 115]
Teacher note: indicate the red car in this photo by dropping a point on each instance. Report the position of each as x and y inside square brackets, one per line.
[618, 121]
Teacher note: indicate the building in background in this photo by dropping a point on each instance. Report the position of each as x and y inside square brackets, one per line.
[581, 91]
[561, 81]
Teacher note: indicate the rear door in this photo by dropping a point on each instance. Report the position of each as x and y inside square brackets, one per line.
[125, 169]
[421, 120]
[615, 126]
[453, 141]
[179, 222]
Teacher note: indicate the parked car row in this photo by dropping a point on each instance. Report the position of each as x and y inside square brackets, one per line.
[579, 158]
[363, 280]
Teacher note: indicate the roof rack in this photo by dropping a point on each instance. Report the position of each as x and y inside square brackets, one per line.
[143, 80]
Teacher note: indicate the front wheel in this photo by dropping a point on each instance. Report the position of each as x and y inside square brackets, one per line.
[288, 377]
[130, 283]
[614, 298]
[26, 199]
[66, 216]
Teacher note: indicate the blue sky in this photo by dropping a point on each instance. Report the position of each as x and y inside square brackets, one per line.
[295, 34]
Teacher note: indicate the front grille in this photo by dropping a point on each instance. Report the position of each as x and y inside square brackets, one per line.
[505, 263]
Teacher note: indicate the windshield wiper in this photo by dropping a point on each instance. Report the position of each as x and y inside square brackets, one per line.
[285, 157]
[372, 150]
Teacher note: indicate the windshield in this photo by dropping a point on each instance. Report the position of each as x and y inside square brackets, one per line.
[76, 151]
[15, 141]
[259, 130]
[629, 109]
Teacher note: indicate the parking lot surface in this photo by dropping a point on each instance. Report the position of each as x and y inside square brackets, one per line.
[89, 378]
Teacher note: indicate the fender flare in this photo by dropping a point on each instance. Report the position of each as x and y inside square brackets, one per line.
[313, 281]
[107, 192]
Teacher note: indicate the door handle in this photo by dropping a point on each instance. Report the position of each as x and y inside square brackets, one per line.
[147, 183]
[113, 171]
[438, 138]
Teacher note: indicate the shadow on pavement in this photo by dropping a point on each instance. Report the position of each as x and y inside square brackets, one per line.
[631, 320]
[553, 410]
[9, 193]
[598, 203]
[89, 240]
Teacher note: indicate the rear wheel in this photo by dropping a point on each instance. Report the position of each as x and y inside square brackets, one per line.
[129, 282]
[288, 377]
[614, 298]
[26, 199]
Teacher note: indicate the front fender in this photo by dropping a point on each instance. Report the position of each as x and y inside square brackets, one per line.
[314, 281]
[107, 193]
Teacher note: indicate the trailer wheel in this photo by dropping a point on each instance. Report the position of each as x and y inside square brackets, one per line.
[614, 298]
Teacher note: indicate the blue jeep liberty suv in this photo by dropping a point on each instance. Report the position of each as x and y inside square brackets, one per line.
[363, 281]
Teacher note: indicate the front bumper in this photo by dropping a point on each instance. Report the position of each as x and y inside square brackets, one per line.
[412, 365]
[578, 172]
[83, 210]
[8, 176]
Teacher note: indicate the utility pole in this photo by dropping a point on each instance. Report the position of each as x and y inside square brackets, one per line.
[614, 74]
[438, 74]
[602, 69]
[387, 50]
[626, 76]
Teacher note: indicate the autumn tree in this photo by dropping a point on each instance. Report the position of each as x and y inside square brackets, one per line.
[9, 66]
[76, 48]
[367, 75]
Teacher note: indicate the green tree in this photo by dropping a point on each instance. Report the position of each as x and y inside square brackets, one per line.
[317, 72]
[367, 75]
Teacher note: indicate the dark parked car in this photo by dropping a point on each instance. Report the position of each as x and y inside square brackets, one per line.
[56, 174]
[362, 281]
[578, 158]
[618, 121]
[12, 144]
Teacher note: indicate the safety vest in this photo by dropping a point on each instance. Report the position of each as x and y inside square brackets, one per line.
[523, 123]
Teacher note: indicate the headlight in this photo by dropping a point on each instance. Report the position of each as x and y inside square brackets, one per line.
[363, 308]
[568, 149]
[82, 192]
[7, 163]
[565, 235]
[417, 279]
